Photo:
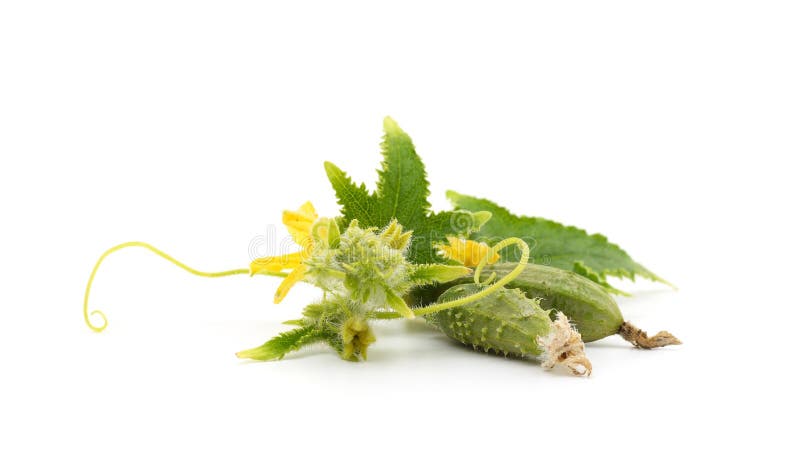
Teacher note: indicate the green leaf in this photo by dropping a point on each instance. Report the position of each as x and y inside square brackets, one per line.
[402, 194]
[554, 244]
[355, 201]
[283, 344]
[402, 181]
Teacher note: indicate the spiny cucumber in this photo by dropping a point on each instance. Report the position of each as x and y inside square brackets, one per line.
[509, 323]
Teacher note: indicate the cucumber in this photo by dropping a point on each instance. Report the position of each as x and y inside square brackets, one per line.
[508, 322]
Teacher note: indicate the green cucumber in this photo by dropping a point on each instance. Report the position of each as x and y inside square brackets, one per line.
[508, 322]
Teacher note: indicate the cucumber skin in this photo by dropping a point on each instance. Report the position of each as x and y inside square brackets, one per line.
[506, 322]
[593, 311]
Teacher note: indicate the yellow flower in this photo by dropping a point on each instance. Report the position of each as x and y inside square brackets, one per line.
[299, 225]
[467, 252]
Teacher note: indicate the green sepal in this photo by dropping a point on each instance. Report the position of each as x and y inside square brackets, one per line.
[423, 274]
[395, 237]
[397, 304]
[297, 322]
[325, 231]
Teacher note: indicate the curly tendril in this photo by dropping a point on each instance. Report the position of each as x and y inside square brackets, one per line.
[87, 315]
[523, 261]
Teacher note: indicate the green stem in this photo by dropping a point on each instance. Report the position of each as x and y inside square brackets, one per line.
[158, 252]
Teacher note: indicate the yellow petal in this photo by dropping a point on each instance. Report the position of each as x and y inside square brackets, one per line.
[300, 231]
[277, 263]
[308, 209]
[294, 276]
[467, 252]
[299, 223]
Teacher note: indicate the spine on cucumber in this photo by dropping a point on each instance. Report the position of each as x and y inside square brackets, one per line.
[589, 307]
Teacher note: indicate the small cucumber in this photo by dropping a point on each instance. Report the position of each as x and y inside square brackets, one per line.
[508, 322]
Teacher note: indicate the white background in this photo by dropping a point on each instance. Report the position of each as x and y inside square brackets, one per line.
[671, 127]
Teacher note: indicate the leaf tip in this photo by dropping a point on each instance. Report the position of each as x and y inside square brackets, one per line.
[452, 195]
[330, 167]
[389, 125]
[480, 218]
[667, 283]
